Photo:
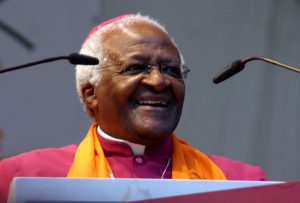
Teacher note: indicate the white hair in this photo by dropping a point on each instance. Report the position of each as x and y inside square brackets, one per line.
[91, 74]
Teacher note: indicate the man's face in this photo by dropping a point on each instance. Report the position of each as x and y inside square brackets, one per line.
[141, 108]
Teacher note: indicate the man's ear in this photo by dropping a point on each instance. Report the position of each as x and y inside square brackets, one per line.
[90, 99]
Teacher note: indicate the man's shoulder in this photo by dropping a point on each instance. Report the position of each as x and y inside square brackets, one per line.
[68, 150]
[48, 162]
[41, 162]
[237, 170]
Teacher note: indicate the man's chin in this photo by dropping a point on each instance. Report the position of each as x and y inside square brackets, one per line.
[152, 126]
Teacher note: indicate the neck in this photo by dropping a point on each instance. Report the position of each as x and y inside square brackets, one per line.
[140, 149]
[137, 149]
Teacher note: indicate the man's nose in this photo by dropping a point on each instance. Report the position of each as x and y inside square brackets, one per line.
[156, 79]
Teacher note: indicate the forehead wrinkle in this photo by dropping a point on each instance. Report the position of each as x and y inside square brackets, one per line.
[111, 55]
[153, 43]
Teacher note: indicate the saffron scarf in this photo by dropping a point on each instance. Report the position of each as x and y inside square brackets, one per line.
[187, 162]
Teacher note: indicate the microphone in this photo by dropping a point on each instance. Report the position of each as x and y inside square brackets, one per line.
[74, 58]
[81, 59]
[239, 65]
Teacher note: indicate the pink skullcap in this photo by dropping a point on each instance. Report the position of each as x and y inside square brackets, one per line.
[104, 23]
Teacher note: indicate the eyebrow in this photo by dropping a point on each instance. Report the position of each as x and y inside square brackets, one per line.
[140, 57]
[146, 58]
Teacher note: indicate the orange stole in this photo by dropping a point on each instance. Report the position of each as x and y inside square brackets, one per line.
[187, 162]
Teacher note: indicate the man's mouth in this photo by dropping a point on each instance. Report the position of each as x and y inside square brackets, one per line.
[152, 103]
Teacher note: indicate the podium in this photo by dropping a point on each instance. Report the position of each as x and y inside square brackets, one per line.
[33, 190]
[279, 193]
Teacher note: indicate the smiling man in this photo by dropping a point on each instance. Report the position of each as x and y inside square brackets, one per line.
[141, 90]
[135, 97]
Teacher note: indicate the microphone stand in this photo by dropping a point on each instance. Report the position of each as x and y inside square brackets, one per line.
[74, 58]
[33, 63]
[271, 61]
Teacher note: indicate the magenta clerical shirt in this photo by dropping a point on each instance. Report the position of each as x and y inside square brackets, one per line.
[56, 162]
[125, 164]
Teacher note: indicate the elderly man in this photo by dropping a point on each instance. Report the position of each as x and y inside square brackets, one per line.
[135, 98]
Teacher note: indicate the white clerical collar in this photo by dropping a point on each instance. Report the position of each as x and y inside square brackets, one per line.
[137, 149]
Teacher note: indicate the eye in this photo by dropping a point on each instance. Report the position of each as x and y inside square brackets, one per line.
[172, 70]
[134, 69]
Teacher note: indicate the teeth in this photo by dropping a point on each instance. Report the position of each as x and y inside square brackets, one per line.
[158, 103]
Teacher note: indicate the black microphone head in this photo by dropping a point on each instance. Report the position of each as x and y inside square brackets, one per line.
[229, 71]
[81, 59]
